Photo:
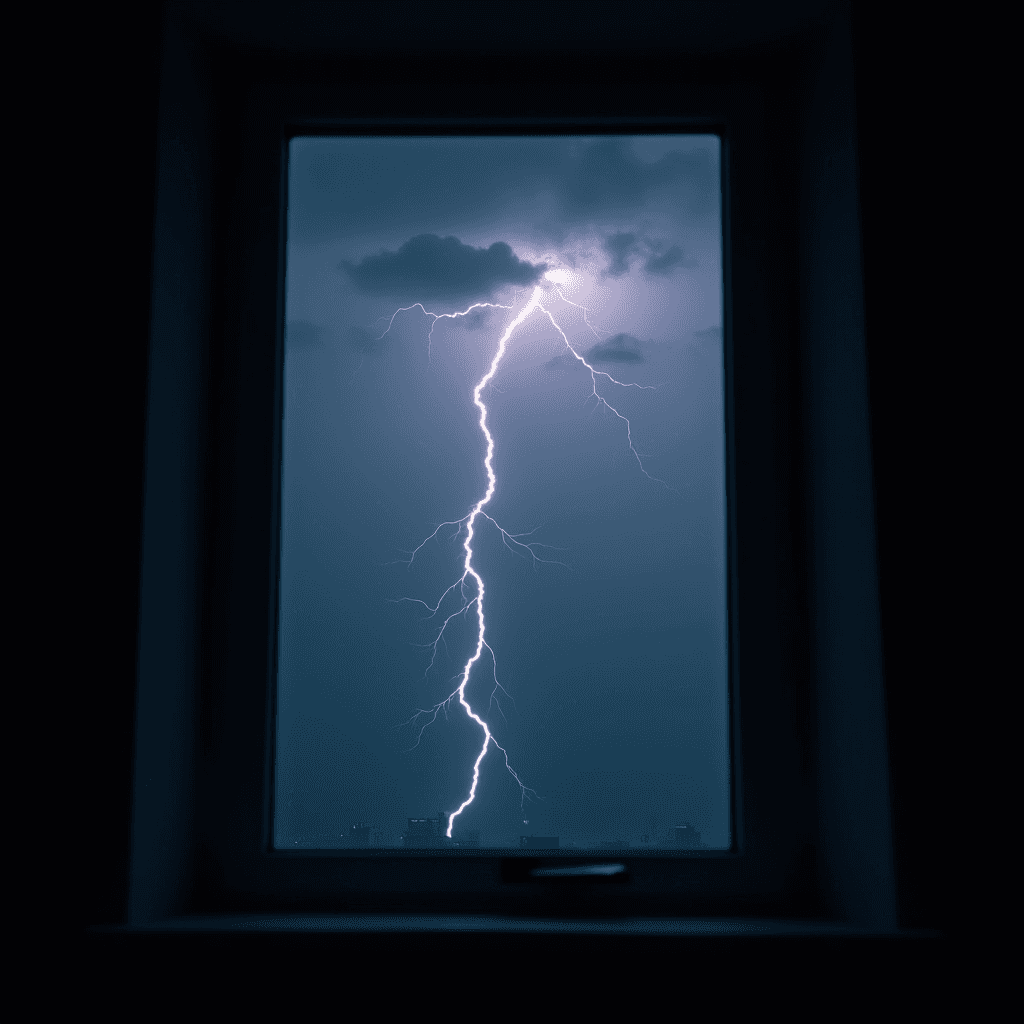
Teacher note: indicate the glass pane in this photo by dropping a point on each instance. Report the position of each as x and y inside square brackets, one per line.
[503, 551]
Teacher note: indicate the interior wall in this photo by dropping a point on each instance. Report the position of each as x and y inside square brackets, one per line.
[855, 841]
[172, 534]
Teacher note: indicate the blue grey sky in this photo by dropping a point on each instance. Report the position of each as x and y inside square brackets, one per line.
[608, 634]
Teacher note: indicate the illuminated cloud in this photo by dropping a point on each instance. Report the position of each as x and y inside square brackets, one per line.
[433, 267]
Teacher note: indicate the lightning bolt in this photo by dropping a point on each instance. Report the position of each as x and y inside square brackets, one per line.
[435, 317]
[470, 578]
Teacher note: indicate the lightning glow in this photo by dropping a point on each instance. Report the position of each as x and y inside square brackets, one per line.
[470, 577]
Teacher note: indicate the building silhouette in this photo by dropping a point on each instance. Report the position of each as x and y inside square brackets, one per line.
[427, 833]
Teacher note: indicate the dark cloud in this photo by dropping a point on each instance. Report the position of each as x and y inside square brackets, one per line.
[358, 186]
[348, 186]
[664, 264]
[620, 247]
[623, 348]
[611, 177]
[428, 266]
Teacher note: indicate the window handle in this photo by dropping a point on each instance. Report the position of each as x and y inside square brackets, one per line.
[580, 871]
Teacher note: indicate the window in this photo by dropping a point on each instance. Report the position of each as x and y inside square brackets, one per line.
[503, 583]
[808, 831]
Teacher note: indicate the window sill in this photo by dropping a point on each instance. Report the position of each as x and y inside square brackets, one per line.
[437, 923]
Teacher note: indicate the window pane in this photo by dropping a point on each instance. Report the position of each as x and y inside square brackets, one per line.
[503, 554]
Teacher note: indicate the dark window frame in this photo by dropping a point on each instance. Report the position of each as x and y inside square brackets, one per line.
[232, 381]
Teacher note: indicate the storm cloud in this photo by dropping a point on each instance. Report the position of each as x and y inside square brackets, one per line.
[610, 177]
[428, 266]
[350, 187]
[623, 348]
[620, 247]
[664, 264]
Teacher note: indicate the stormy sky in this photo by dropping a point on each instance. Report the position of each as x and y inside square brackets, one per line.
[609, 645]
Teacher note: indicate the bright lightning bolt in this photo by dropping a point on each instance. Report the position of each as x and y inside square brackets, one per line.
[470, 577]
[436, 317]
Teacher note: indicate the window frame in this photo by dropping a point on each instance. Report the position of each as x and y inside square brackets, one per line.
[225, 789]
